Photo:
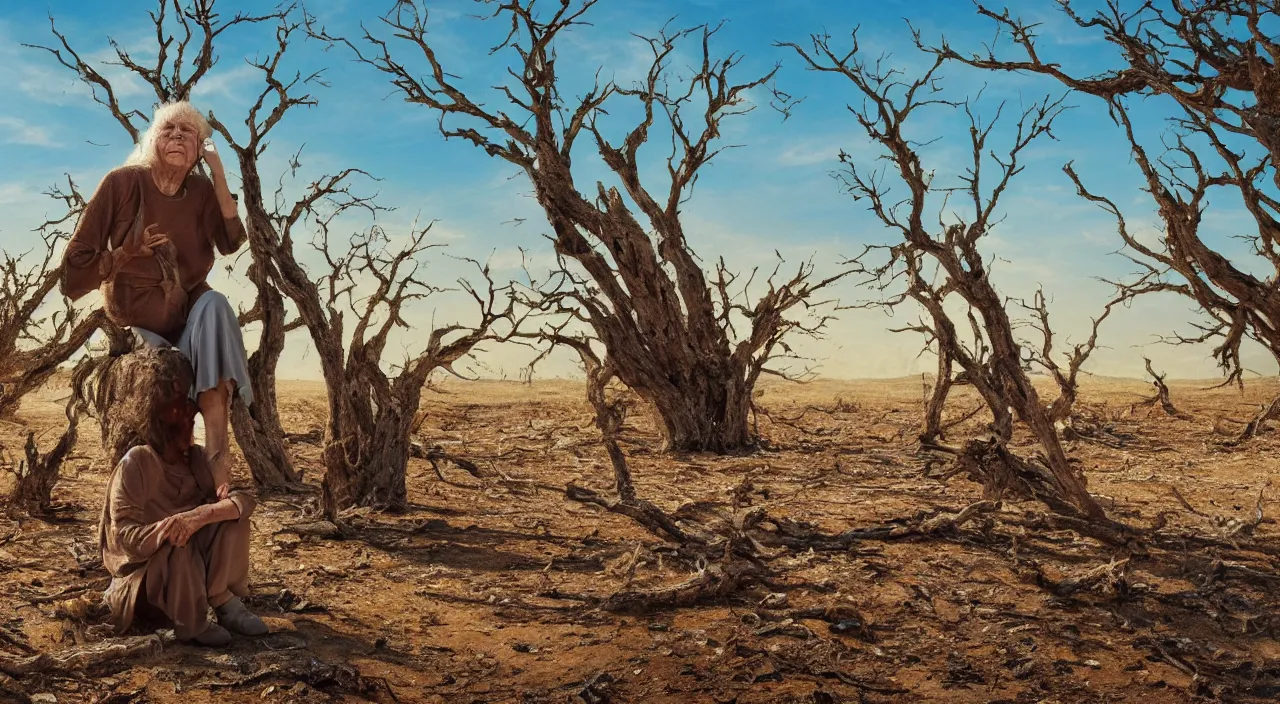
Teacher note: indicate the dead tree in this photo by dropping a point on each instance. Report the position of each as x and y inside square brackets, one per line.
[1216, 61]
[37, 474]
[33, 341]
[946, 262]
[35, 344]
[632, 278]
[1161, 397]
[259, 429]
[186, 36]
[372, 412]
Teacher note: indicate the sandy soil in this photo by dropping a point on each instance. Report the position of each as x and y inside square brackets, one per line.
[486, 590]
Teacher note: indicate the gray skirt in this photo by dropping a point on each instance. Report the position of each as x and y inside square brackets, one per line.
[211, 341]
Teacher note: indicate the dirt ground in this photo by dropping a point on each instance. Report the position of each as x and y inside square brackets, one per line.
[488, 590]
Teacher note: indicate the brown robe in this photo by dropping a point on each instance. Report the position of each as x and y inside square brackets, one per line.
[192, 219]
[182, 582]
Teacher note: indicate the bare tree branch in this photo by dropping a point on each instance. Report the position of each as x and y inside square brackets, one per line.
[995, 363]
[666, 328]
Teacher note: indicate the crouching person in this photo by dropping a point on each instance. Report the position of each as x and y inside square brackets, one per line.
[174, 547]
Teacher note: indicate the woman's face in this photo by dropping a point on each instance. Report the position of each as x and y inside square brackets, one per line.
[177, 144]
[175, 421]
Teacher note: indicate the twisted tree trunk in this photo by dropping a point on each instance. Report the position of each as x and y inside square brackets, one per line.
[666, 326]
[698, 411]
[367, 458]
[38, 474]
[258, 429]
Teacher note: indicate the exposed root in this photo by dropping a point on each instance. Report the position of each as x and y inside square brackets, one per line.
[83, 658]
[840, 405]
[713, 581]
[1002, 474]
[1109, 580]
[638, 510]
[801, 536]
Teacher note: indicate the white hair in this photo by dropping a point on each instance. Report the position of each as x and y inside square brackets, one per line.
[144, 153]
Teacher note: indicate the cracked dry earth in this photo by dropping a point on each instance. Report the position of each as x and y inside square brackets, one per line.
[487, 589]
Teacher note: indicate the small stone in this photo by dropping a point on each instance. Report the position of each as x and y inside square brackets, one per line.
[44, 698]
[1093, 663]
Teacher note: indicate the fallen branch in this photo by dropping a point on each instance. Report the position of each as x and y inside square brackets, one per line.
[83, 658]
[67, 592]
[1109, 580]
[317, 529]
[437, 454]
[639, 510]
[799, 536]
[1267, 412]
[714, 581]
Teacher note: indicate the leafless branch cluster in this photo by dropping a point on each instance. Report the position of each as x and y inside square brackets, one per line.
[185, 34]
[934, 264]
[628, 282]
[372, 410]
[1217, 62]
[35, 343]
[33, 340]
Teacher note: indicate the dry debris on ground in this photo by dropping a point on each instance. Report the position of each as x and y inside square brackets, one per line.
[867, 578]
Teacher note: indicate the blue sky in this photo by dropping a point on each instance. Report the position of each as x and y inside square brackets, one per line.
[775, 192]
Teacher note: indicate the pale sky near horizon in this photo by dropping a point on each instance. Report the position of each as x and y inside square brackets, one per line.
[774, 192]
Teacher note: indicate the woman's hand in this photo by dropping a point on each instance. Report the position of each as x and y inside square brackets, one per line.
[141, 244]
[224, 490]
[211, 157]
[226, 202]
[152, 240]
[179, 528]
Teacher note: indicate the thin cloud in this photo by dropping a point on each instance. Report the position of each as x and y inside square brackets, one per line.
[227, 84]
[14, 130]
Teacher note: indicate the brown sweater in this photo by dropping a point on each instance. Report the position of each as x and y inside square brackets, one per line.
[192, 220]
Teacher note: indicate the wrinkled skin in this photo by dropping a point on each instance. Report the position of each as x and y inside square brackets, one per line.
[177, 145]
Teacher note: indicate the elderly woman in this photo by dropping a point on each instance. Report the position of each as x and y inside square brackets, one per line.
[185, 214]
[172, 546]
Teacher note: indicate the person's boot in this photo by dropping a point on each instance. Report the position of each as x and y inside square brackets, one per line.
[235, 617]
[214, 636]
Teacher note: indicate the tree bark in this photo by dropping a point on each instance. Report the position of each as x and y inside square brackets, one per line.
[35, 478]
[258, 429]
[366, 463]
[933, 431]
[703, 414]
